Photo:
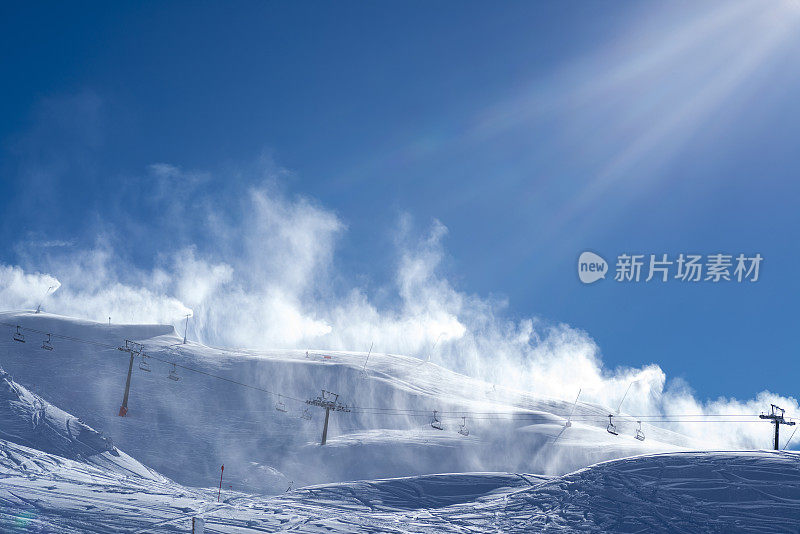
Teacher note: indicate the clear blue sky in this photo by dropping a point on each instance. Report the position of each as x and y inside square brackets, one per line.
[532, 130]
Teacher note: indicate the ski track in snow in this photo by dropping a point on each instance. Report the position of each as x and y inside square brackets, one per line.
[674, 492]
[59, 474]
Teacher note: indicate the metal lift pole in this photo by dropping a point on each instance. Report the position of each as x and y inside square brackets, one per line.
[329, 401]
[134, 349]
[325, 427]
[186, 329]
[776, 415]
[123, 410]
[777, 435]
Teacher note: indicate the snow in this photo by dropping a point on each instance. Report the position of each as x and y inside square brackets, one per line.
[158, 467]
[204, 422]
[27, 419]
[675, 492]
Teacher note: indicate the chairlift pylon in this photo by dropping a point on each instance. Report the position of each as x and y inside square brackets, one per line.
[435, 422]
[143, 365]
[46, 345]
[464, 431]
[639, 434]
[18, 336]
[173, 374]
[611, 428]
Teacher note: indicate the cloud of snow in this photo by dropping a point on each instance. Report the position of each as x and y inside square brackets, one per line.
[270, 282]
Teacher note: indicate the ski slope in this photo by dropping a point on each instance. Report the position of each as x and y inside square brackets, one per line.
[186, 429]
[755, 492]
[69, 463]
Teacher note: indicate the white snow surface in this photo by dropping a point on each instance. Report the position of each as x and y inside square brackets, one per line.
[59, 474]
[187, 429]
[718, 492]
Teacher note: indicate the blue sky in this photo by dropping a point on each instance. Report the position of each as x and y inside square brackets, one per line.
[532, 131]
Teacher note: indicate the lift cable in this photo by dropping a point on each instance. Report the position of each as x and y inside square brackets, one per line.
[453, 414]
[162, 360]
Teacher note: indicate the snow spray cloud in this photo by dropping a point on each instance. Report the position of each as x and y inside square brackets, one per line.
[267, 284]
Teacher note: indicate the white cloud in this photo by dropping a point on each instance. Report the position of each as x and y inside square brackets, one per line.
[19, 289]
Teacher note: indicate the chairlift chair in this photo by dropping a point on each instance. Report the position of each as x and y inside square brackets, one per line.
[639, 434]
[18, 336]
[464, 431]
[611, 428]
[435, 422]
[143, 365]
[306, 415]
[46, 345]
[280, 406]
[173, 374]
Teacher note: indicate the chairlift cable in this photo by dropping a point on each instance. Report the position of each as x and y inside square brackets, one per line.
[790, 438]
[456, 414]
[162, 360]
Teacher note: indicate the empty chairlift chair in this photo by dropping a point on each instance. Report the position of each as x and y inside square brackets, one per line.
[173, 374]
[611, 428]
[464, 431]
[18, 336]
[280, 406]
[143, 365]
[306, 415]
[46, 345]
[435, 422]
[639, 434]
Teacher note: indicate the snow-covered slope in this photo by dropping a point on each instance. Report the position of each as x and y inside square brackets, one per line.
[26, 419]
[53, 461]
[717, 492]
[681, 492]
[58, 474]
[722, 492]
[186, 429]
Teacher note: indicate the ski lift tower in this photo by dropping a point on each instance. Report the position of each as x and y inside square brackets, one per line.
[778, 420]
[134, 349]
[329, 401]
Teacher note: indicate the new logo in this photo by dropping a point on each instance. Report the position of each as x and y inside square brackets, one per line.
[591, 267]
